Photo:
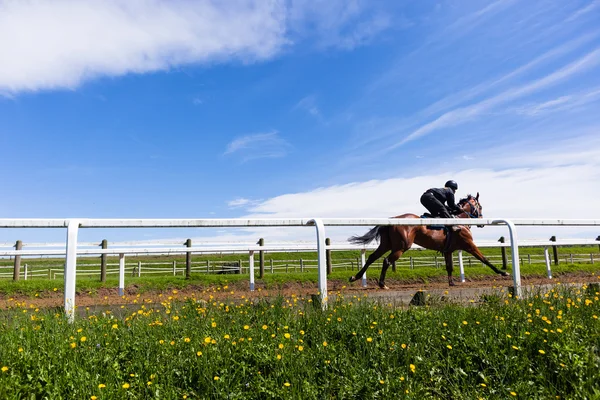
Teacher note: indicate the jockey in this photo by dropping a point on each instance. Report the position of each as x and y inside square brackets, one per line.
[433, 200]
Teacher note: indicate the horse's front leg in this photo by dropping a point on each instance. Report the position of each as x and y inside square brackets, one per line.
[449, 267]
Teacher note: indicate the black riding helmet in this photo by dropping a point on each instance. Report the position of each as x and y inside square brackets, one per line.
[452, 185]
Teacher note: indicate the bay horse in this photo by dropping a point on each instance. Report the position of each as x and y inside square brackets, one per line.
[398, 239]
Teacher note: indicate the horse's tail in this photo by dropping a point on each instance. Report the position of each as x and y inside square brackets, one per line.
[368, 237]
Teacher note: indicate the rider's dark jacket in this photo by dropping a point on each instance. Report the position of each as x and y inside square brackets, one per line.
[445, 195]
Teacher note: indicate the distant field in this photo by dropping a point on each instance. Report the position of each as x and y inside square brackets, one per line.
[345, 264]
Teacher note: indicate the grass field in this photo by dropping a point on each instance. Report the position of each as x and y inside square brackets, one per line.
[546, 346]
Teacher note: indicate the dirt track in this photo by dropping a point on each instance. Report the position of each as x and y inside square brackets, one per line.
[239, 290]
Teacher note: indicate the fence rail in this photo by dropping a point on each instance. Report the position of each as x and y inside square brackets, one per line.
[73, 226]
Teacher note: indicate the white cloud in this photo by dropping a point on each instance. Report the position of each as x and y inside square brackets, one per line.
[260, 145]
[556, 181]
[63, 43]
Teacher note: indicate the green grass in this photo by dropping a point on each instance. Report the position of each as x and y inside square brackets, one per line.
[536, 348]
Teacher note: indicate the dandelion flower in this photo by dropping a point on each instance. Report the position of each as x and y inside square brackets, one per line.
[265, 327]
[369, 339]
[280, 345]
[286, 335]
[465, 323]
[4, 369]
[287, 384]
[542, 351]
[450, 347]
[199, 353]
[126, 386]
[101, 386]
[382, 381]
[216, 378]
[246, 327]
[324, 344]
[513, 394]
[412, 368]
[300, 348]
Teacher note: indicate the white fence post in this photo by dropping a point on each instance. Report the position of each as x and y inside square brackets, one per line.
[514, 247]
[71, 268]
[121, 274]
[322, 260]
[174, 268]
[139, 269]
[251, 270]
[363, 261]
[25, 273]
[547, 259]
[461, 266]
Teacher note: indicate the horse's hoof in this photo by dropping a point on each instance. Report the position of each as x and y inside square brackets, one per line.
[505, 274]
[352, 279]
[451, 284]
[383, 286]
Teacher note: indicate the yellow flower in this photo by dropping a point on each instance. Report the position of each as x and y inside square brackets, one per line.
[187, 340]
[246, 327]
[280, 345]
[214, 324]
[115, 326]
[126, 386]
[300, 348]
[172, 343]
[83, 339]
[513, 394]
[515, 347]
[101, 386]
[382, 381]
[20, 349]
[302, 332]
[465, 322]
[199, 353]
[287, 384]
[4, 369]
[93, 398]
[403, 345]
[450, 347]
[279, 356]
[369, 339]
[161, 341]
[207, 340]
[286, 335]
[216, 378]
[542, 351]
[265, 327]
[148, 383]
[73, 345]
[226, 337]
[176, 318]
[483, 385]
[412, 368]
[324, 344]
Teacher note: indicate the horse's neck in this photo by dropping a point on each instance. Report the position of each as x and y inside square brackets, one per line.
[464, 214]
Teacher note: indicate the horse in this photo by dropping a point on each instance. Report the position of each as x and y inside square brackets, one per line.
[398, 239]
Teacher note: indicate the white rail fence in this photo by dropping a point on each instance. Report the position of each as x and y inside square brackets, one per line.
[73, 226]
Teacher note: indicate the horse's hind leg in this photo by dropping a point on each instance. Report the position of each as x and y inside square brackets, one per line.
[449, 267]
[389, 260]
[381, 250]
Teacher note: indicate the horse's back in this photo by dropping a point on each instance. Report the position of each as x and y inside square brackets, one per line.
[406, 216]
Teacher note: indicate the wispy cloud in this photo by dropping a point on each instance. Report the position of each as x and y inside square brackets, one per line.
[309, 104]
[463, 114]
[260, 145]
[239, 202]
[584, 10]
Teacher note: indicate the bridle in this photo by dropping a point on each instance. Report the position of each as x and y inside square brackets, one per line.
[474, 209]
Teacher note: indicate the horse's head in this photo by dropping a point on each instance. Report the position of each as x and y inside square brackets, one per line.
[472, 207]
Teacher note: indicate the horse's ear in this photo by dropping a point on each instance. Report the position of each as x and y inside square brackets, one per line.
[477, 197]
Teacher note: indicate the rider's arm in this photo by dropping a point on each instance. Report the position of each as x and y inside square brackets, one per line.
[451, 202]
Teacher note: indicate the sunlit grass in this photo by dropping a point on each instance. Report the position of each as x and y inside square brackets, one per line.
[541, 347]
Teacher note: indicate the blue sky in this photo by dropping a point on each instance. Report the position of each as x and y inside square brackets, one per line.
[205, 109]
